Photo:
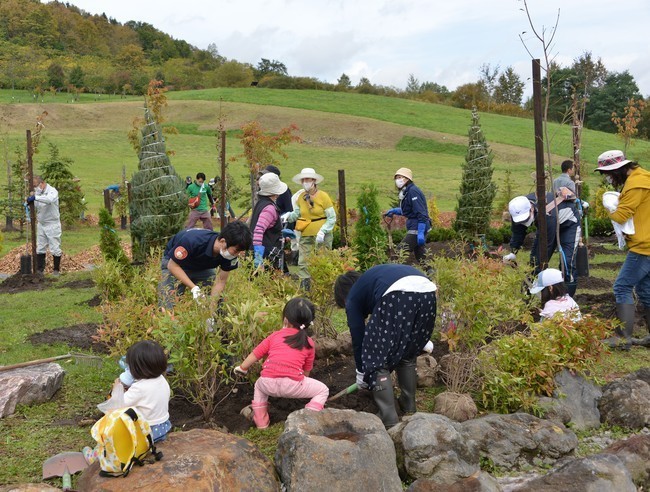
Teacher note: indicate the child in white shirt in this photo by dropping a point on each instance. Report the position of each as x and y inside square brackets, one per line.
[555, 296]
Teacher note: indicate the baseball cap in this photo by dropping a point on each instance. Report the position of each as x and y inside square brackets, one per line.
[610, 160]
[550, 276]
[519, 208]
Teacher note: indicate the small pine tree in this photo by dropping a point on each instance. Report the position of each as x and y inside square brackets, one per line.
[370, 241]
[476, 189]
[56, 172]
[158, 205]
[109, 241]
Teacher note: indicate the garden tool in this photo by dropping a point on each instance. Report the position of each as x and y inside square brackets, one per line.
[92, 360]
[64, 465]
[350, 389]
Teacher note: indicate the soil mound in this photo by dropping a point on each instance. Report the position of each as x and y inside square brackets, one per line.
[76, 336]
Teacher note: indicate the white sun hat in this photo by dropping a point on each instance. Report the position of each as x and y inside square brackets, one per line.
[610, 160]
[550, 276]
[307, 172]
[519, 208]
[270, 184]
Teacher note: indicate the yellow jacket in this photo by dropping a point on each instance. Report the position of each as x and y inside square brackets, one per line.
[635, 202]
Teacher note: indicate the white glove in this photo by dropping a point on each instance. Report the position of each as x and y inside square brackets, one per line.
[320, 237]
[509, 257]
[428, 348]
[360, 382]
[585, 205]
[196, 292]
[285, 216]
[610, 201]
[240, 371]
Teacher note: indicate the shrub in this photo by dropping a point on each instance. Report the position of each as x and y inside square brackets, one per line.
[498, 236]
[434, 212]
[598, 211]
[600, 227]
[479, 300]
[369, 241]
[324, 267]
[109, 241]
[442, 234]
[519, 367]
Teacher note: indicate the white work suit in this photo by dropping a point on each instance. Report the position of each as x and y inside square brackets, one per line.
[48, 221]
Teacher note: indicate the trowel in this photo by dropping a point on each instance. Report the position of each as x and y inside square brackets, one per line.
[64, 465]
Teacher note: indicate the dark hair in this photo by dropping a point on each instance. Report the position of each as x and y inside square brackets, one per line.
[619, 176]
[237, 234]
[200, 176]
[343, 285]
[300, 313]
[566, 165]
[553, 292]
[146, 360]
[272, 169]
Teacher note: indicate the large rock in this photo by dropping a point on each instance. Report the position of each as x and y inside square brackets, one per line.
[598, 473]
[336, 450]
[427, 369]
[510, 440]
[580, 397]
[626, 403]
[200, 459]
[552, 409]
[33, 384]
[479, 482]
[432, 446]
[634, 452]
[457, 406]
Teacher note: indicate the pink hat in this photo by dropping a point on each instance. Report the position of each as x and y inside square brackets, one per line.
[610, 160]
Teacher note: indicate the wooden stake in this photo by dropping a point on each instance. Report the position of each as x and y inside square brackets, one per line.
[539, 166]
[343, 209]
[32, 210]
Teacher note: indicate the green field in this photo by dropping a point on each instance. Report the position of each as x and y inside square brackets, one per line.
[367, 136]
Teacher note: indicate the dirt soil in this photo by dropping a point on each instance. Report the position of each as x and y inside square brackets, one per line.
[76, 336]
[21, 283]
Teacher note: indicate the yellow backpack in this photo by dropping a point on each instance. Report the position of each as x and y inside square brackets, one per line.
[124, 439]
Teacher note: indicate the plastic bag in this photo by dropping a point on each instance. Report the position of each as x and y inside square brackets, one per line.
[115, 401]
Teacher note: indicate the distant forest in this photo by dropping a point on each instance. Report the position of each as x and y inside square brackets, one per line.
[59, 47]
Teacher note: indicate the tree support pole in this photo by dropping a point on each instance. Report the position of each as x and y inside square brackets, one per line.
[32, 210]
[343, 209]
[542, 242]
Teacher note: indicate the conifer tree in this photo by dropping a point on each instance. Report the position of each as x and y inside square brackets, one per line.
[109, 241]
[476, 189]
[370, 239]
[158, 205]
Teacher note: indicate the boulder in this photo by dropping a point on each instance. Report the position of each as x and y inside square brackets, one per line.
[510, 440]
[26, 385]
[457, 406]
[479, 482]
[626, 403]
[427, 369]
[552, 409]
[598, 473]
[580, 397]
[336, 450]
[634, 452]
[200, 459]
[432, 446]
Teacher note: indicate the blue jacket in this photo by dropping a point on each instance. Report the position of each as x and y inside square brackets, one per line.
[192, 250]
[366, 293]
[414, 207]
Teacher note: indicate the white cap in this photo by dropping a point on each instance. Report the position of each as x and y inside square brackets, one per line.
[550, 276]
[519, 208]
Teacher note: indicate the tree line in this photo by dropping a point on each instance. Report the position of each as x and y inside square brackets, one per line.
[59, 47]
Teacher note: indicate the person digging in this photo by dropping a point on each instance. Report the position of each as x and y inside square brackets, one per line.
[401, 303]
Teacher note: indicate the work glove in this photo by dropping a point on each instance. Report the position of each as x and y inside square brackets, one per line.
[258, 258]
[285, 216]
[360, 382]
[320, 237]
[196, 292]
[393, 211]
[209, 325]
[585, 205]
[509, 257]
[288, 233]
[422, 238]
[240, 372]
[31, 198]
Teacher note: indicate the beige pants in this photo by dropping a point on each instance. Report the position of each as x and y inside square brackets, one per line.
[306, 246]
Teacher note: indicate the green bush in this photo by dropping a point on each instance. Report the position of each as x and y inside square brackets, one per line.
[369, 242]
[519, 367]
[109, 241]
[442, 234]
[600, 227]
[498, 236]
[479, 300]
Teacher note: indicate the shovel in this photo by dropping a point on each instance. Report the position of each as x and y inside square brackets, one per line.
[64, 465]
[350, 389]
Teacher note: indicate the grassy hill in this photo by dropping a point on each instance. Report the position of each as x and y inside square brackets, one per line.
[368, 136]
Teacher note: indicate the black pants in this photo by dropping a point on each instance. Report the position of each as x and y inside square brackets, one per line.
[410, 243]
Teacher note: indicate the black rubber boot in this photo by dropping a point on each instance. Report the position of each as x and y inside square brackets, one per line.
[407, 378]
[571, 288]
[57, 264]
[625, 313]
[647, 317]
[40, 262]
[385, 399]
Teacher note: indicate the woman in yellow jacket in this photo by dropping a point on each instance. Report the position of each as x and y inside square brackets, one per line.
[315, 218]
[634, 203]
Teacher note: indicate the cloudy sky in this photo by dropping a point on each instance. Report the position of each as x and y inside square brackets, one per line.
[386, 40]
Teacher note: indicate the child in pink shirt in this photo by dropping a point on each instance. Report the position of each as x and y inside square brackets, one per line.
[555, 297]
[289, 356]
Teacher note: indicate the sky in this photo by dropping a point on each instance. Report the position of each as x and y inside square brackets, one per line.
[445, 42]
